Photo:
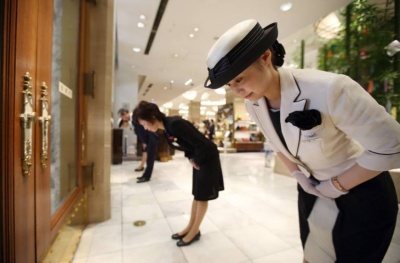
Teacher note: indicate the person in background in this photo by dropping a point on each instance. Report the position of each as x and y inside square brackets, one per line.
[149, 143]
[211, 130]
[125, 124]
[203, 155]
[124, 118]
[336, 140]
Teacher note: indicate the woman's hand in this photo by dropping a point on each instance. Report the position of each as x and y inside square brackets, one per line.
[195, 166]
[306, 183]
[328, 189]
[144, 146]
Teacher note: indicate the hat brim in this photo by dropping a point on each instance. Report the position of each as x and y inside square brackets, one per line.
[245, 59]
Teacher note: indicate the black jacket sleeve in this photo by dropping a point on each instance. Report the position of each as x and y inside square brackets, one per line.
[196, 145]
[141, 132]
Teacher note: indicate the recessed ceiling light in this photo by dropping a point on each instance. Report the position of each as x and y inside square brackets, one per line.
[196, 29]
[172, 82]
[140, 25]
[136, 49]
[188, 82]
[176, 55]
[165, 88]
[286, 6]
[142, 17]
[191, 35]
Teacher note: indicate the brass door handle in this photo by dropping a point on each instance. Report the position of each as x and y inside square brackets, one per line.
[27, 117]
[45, 120]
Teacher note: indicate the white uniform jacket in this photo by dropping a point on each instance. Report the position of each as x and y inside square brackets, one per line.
[354, 128]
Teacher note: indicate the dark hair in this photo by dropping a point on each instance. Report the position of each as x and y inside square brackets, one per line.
[148, 112]
[279, 53]
[122, 111]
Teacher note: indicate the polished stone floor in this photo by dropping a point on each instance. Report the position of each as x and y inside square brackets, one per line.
[253, 220]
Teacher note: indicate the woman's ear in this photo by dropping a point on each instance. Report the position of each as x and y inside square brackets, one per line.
[266, 57]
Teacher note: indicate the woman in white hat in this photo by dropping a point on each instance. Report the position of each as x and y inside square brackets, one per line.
[336, 140]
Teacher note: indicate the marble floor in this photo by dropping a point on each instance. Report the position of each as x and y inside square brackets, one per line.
[253, 221]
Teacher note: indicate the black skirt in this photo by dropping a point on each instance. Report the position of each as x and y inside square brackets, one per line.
[208, 181]
[363, 228]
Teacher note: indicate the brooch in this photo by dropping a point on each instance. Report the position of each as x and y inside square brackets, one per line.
[310, 136]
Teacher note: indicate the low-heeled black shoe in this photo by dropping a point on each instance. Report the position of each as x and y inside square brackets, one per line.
[139, 169]
[182, 243]
[177, 236]
[142, 180]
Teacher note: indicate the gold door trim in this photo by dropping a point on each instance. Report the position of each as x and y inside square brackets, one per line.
[27, 117]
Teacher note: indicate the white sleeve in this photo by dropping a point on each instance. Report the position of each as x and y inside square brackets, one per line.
[360, 117]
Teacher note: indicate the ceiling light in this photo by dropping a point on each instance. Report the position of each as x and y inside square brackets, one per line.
[203, 108]
[183, 106]
[286, 6]
[176, 55]
[205, 96]
[168, 105]
[190, 95]
[133, 66]
[191, 35]
[172, 82]
[142, 17]
[328, 27]
[140, 25]
[183, 111]
[196, 29]
[136, 49]
[165, 88]
[188, 82]
[220, 91]
[213, 103]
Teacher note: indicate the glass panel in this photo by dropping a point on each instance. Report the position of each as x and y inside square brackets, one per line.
[64, 101]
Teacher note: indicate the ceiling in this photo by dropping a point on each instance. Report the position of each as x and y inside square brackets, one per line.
[174, 56]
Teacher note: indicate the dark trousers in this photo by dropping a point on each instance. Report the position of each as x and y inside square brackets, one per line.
[151, 150]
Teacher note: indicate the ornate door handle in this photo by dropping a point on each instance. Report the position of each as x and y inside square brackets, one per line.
[45, 119]
[27, 117]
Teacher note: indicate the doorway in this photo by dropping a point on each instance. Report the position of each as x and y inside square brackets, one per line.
[40, 93]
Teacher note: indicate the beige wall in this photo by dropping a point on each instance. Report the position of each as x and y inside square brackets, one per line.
[100, 49]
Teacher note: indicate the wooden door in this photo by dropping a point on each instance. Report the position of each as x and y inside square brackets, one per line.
[28, 225]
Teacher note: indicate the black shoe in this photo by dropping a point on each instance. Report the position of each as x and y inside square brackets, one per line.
[177, 236]
[182, 243]
[139, 169]
[142, 180]
[140, 177]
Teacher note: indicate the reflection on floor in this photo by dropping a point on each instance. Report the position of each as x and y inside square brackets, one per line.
[254, 220]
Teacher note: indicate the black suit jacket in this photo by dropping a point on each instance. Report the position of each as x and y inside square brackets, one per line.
[182, 135]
